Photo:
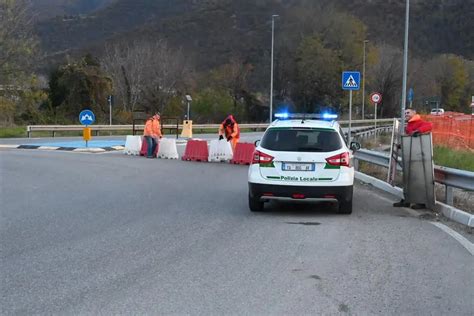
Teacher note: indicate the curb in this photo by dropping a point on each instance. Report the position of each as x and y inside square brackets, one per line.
[74, 149]
[448, 211]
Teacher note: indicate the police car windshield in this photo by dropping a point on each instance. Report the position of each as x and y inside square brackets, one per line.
[301, 140]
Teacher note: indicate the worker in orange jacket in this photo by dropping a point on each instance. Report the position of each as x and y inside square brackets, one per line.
[230, 130]
[152, 134]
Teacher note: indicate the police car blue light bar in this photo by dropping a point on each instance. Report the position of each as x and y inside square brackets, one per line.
[306, 116]
[282, 115]
[329, 116]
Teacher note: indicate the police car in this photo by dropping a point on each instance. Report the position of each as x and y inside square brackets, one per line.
[302, 157]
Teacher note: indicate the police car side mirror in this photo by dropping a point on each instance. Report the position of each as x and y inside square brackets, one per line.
[355, 146]
[257, 142]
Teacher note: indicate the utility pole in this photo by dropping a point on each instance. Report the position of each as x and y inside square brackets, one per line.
[271, 71]
[405, 66]
[363, 84]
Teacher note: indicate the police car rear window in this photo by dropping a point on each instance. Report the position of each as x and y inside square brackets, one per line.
[301, 140]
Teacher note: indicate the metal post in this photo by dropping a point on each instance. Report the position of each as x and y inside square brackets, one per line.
[349, 135]
[188, 112]
[405, 66]
[375, 122]
[449, 195]
[271, 70]
[110, 109]
[363, 84]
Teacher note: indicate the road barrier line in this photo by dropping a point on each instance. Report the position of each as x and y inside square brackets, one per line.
[463, 241]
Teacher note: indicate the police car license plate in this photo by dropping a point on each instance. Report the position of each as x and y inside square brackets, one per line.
[297, 166]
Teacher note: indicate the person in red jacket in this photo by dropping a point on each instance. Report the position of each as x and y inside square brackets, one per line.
[415, 127]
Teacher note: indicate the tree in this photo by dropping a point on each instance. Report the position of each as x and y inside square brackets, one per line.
[79, 85]
[17, 44]
[452, 77]
[318, 75]
[233, 78]
[211, 105]
[145, 73]
[386, 77]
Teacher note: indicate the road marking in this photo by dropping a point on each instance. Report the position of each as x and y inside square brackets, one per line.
[463, 241]
[48, 148]
[9, 146]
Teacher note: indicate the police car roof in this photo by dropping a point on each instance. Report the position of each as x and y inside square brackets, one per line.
[305, 123]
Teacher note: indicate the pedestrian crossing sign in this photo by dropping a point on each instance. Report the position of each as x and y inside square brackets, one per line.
[351, 80]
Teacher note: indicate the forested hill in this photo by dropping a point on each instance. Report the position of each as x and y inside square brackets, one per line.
[437, 26]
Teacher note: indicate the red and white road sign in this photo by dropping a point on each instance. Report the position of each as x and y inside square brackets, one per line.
[375, 97]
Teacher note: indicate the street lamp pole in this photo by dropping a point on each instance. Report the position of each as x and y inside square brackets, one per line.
[405, 67]
[363, 83]
[271, 71]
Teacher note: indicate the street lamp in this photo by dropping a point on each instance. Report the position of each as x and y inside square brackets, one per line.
[188, 99]
[363, 83]
[405, 66]
[271, 71]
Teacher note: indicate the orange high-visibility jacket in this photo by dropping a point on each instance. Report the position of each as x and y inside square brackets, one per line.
[152, 128]
[230, 130]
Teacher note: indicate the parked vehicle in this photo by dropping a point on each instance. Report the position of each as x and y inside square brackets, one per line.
[437, 111]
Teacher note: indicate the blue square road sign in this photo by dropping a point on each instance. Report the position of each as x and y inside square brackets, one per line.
[350, 80]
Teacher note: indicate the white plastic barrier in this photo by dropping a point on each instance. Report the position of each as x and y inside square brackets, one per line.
[133, 144]
[220, 150]
[168, 149]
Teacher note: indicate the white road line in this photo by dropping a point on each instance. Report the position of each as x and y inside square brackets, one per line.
[463, 241]
[47, 148]
[9, 146]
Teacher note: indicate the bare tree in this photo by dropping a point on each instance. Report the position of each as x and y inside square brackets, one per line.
[17, 42]
[386, 77]
[145, 73]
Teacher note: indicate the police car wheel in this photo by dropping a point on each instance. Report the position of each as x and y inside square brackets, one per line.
[345, 207]
[255, 205]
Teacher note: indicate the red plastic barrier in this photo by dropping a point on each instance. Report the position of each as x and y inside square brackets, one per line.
[243, 154]
[196, 150]
[144, 149]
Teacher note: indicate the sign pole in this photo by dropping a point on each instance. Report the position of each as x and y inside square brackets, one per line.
[350, 116]
[375, 122]
[109, 99]
[350, 81]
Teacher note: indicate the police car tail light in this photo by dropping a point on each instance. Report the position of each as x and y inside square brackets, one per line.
[339, 160]
[259, 157]
[298, 196]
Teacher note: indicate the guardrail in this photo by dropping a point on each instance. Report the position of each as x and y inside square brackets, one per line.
[129, 127]
[98, 128]
[449, 177]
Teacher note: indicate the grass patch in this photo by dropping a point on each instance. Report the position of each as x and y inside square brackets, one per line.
[458, 159]
[8, 132]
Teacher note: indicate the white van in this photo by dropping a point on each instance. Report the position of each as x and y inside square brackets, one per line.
[437, 111]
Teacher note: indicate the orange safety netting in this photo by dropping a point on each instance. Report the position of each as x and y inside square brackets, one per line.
[453, 130]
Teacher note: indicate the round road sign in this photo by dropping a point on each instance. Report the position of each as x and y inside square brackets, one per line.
[87, 117]
[375, 97]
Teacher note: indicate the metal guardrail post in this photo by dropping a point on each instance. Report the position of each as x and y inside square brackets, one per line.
[449, 198]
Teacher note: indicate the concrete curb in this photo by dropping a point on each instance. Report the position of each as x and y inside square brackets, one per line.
[448, 211]
[455, 214]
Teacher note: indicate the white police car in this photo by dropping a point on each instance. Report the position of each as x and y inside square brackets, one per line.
[302, 157]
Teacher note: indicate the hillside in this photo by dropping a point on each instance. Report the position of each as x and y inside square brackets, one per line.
[212, 29]
[46, 9]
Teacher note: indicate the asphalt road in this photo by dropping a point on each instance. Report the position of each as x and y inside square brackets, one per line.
[115, 234]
